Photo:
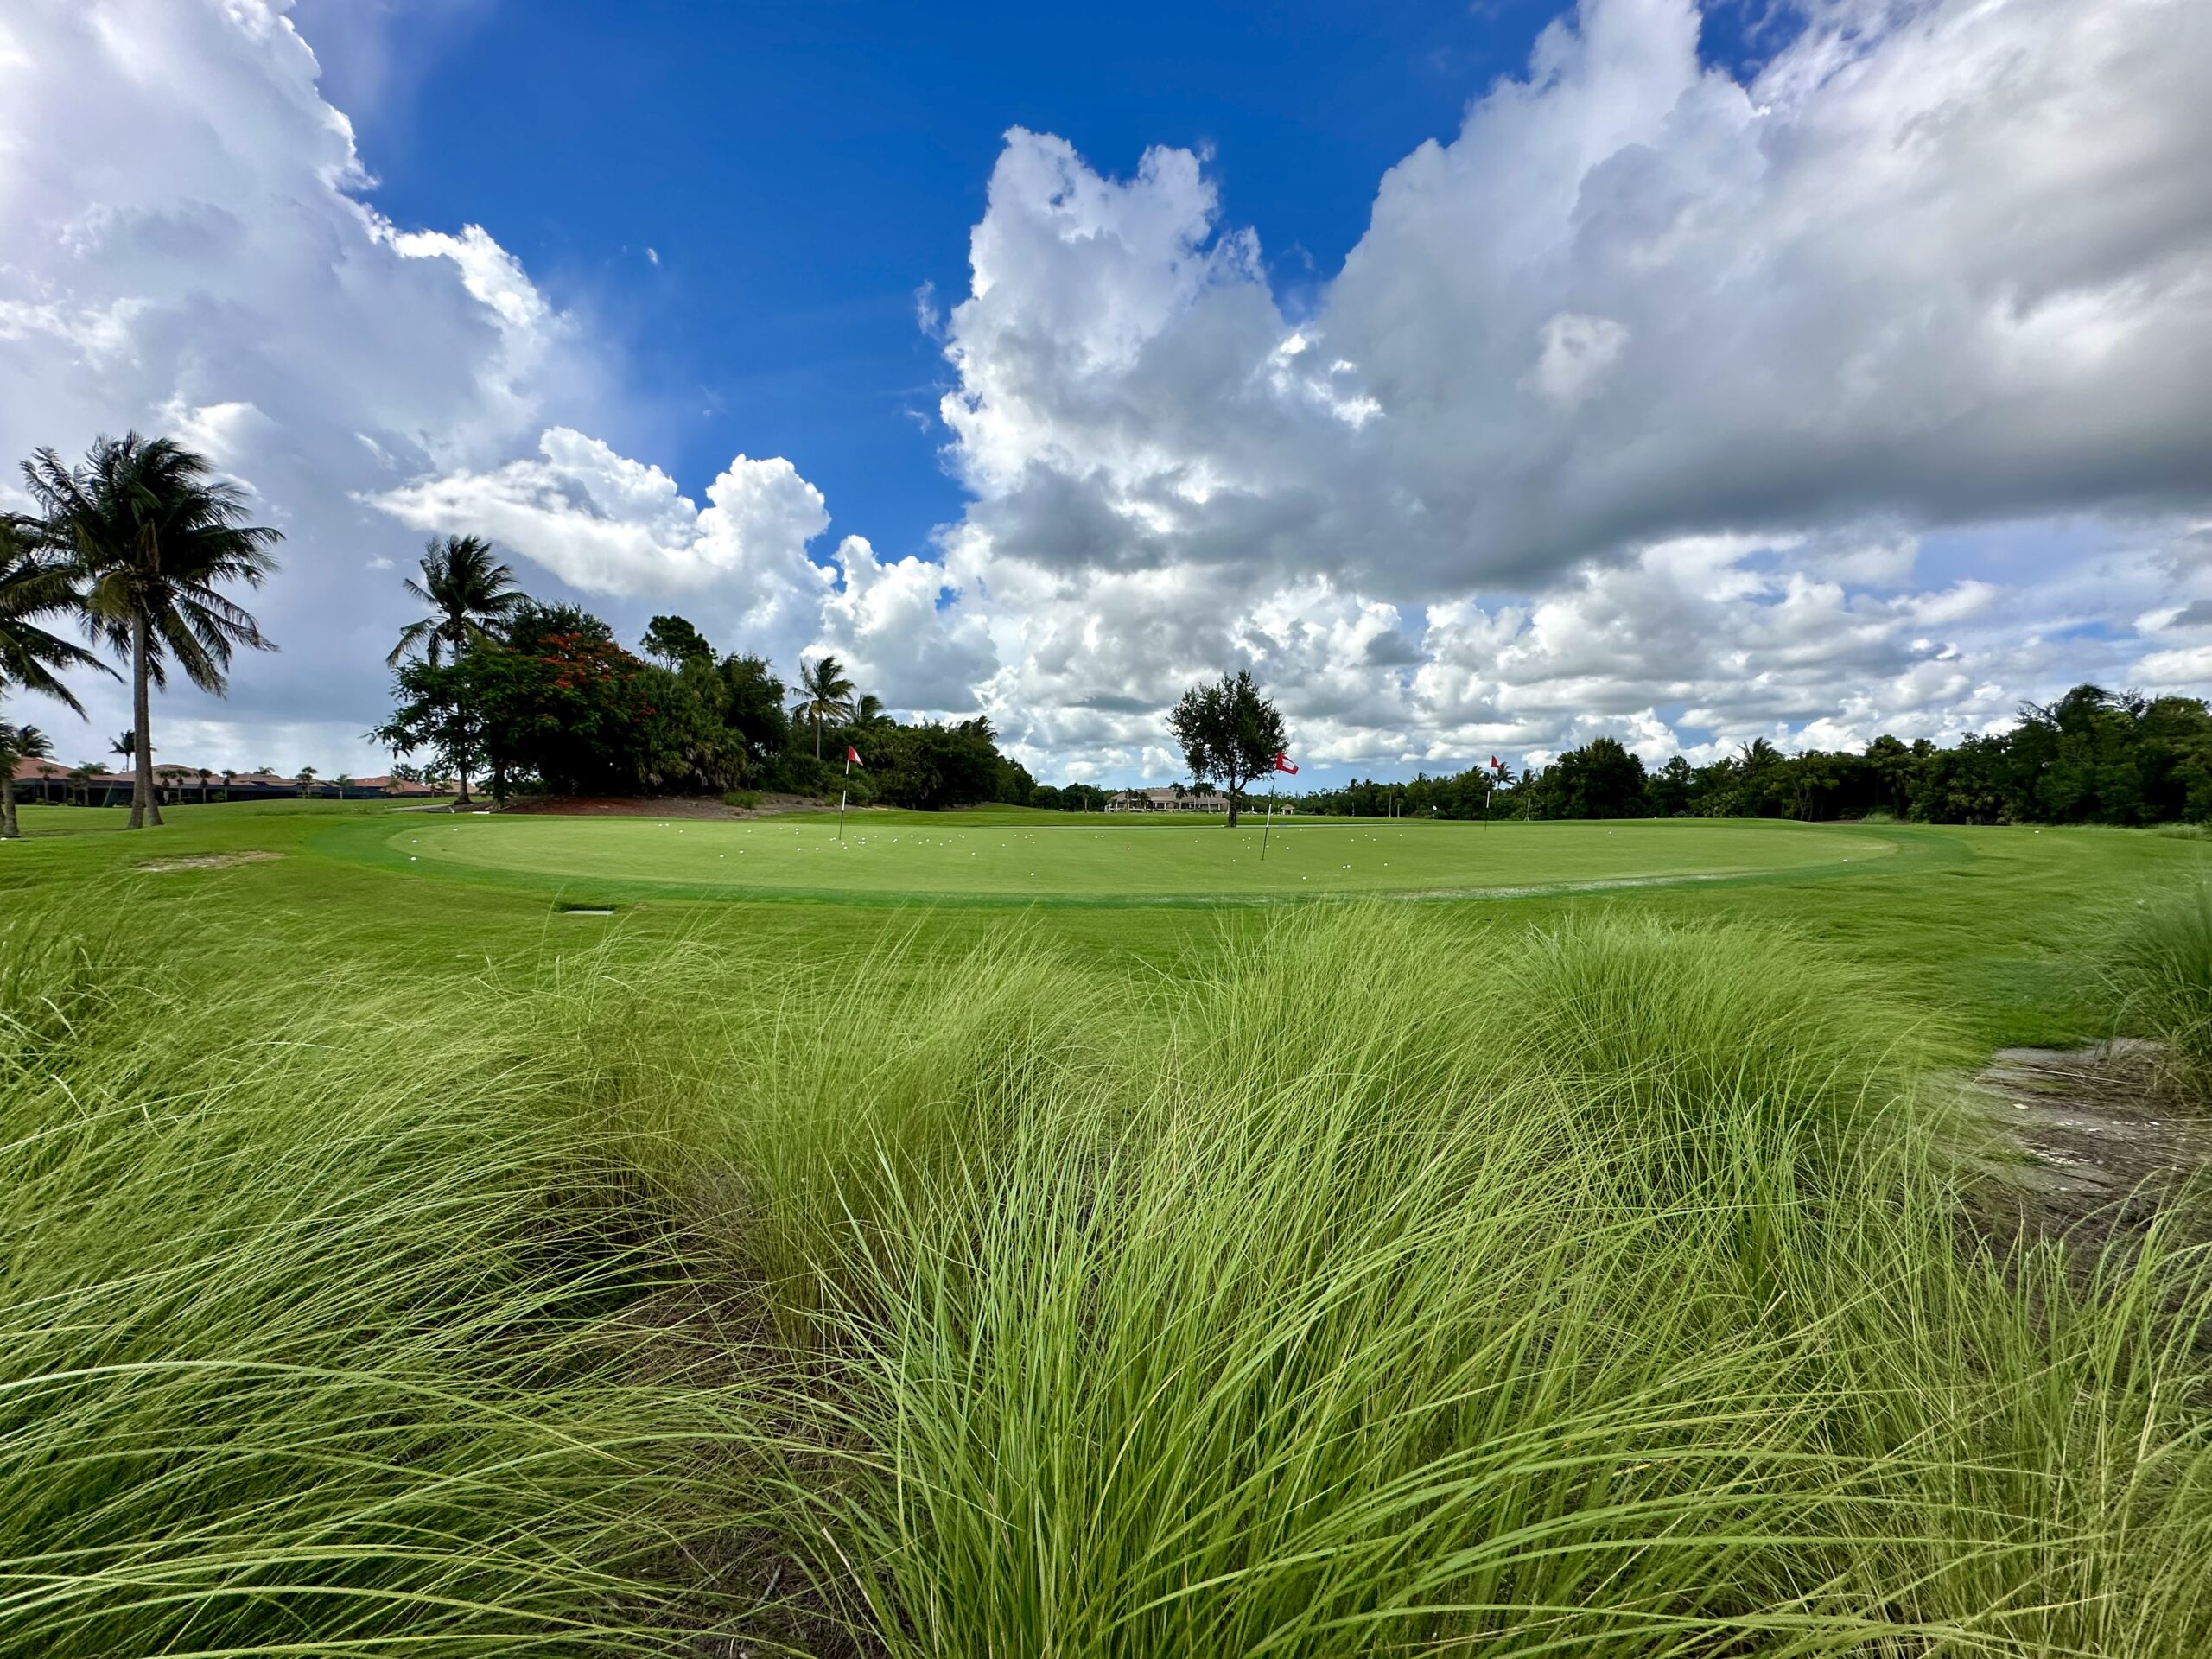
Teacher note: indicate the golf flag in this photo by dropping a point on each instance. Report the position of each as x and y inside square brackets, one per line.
[853, 758]
[1282, 764]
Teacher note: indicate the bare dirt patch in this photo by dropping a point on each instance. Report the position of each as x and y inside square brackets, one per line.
[2101, 1149]
[660, 806]
[207, 861]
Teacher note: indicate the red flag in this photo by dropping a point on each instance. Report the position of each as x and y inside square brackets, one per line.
[1494, 767]
[853, 758]
[1282, 764]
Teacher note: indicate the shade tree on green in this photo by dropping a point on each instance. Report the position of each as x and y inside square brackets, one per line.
[1229, 733]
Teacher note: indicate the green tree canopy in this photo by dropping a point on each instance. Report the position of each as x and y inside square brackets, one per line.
[825, 695]
[470, 596]
[151, 537]
[1229, 733]
[17, 744]
[674, 642]
[36, 584]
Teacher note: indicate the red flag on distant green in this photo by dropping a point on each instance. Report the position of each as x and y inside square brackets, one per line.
[853, 758]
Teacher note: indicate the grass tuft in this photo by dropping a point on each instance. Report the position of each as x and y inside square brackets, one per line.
[1377, 1280]
[2160, 969]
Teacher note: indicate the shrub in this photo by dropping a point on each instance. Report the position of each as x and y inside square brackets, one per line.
[745, 799]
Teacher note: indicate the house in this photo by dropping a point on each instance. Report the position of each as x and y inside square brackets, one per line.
[1169, 800]
[49, 781]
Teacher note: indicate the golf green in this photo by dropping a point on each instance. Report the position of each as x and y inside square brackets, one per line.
[943, 858]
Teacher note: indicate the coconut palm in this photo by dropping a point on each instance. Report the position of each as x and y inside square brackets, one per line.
[35, 582]
[17, 744]
[305, 778]
[469, 597]
[829, 696]
[153, 537]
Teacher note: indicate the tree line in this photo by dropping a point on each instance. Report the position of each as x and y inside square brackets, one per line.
[2093, 756]
[528, 696]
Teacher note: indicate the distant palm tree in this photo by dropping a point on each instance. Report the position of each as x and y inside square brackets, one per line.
[172, 777]
[125, 744]
[305, 779]
[82, 778]
[17, 744]
[469, 596]
[228, 774]
[869, 713]
[829, 696]
[152, 538]
[205, 775]
[341, 783]
[36, 582]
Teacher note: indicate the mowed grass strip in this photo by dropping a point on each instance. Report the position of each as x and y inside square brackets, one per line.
[949, 858]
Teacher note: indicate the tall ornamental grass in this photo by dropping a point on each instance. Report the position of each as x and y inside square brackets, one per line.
[2159, 967]
[315, 1309]
[1390, 1282]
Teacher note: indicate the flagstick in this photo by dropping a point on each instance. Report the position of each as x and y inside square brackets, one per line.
[1270, 827]
[844, 792]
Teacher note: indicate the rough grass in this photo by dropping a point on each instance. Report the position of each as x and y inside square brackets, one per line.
[2159, 968]
[1376, 1285]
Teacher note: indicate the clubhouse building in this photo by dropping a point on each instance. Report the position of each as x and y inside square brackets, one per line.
[1169, 800]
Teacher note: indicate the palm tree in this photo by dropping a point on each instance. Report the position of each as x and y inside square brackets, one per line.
[152, 537]
[869, 713]
[17, 744]
[125, 744]
[82, 777]
[342, 782]
[467, 593]
[36, 582]
[829, 696]
[205, 775]
[305, 779]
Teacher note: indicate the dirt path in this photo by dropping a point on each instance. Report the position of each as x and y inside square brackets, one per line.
[2101, 1150]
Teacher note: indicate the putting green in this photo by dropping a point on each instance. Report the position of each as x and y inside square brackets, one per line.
[943, 858]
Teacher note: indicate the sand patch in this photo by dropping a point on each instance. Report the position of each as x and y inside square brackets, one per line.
[207, 861]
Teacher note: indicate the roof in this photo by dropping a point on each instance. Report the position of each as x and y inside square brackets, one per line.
[1170, 794]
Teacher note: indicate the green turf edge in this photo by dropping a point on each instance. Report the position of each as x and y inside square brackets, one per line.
[369, 841]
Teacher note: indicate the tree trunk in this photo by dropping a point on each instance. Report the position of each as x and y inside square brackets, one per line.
[144, 809]
[464, 800]
[1232, 802]
[8, 831]
[817, 737]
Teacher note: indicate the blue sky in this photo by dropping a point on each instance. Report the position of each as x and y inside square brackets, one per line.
[803, 170]
[1485, 377]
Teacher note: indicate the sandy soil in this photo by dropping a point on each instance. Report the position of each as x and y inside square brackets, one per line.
[207, 861]
[2100, 1151]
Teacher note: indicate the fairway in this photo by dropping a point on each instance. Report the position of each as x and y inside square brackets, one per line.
[943, 858]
